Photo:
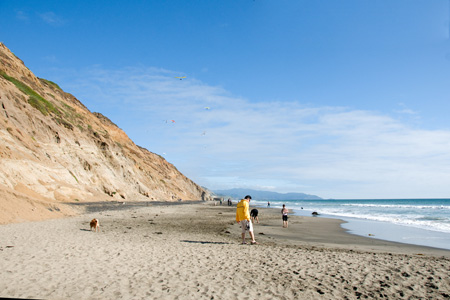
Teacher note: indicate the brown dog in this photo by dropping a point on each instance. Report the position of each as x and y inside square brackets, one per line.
[95, 224]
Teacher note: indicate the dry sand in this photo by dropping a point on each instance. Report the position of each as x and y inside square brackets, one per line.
[193, 252]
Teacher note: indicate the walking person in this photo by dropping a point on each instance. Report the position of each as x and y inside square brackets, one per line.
[243, 218]
[284, 213]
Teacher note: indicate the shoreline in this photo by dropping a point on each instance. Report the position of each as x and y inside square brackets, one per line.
[194, 251]
[328, 232]
[385, 231]
[398, 233]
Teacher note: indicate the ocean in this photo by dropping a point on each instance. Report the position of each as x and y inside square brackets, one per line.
[414, 221]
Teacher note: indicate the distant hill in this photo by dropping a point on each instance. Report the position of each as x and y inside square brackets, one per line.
[264, 195]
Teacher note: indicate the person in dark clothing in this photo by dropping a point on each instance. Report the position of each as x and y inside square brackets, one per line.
[284, 213]
[254, 215]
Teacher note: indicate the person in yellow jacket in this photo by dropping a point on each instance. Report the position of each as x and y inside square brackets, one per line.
[243, 218]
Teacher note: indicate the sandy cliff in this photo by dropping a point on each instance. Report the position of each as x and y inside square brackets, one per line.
[53, 150]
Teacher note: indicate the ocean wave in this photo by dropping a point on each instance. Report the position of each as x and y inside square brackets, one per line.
[430, 223]
[398, 206]
[423, 214]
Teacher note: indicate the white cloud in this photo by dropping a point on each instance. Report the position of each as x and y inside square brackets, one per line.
[51, 59]
[21, 15]
[328, 151]
[406, 110]
[51, 18]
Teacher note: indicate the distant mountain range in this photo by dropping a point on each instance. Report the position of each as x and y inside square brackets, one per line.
[264, 195]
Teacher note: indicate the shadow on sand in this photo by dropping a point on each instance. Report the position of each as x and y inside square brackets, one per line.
[203, 242]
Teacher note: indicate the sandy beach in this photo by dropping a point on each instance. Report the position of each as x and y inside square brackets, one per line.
[194, 251]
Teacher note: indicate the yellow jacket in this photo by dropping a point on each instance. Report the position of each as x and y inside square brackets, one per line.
[242, 211]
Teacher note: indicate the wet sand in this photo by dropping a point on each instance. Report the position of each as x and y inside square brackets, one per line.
[194, 251]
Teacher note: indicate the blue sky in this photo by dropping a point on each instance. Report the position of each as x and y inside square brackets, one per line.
[340, 99]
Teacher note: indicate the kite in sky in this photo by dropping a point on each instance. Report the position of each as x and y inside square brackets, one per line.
[180, 77]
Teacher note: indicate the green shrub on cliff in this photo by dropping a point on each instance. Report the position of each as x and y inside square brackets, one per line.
[34, 99]
[51, 83]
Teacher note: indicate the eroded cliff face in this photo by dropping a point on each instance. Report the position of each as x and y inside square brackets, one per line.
[53, 150]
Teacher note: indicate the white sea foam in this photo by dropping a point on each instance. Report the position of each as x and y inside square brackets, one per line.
[393, 206]
[428, 214]
[417, 221]
[398, 219]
